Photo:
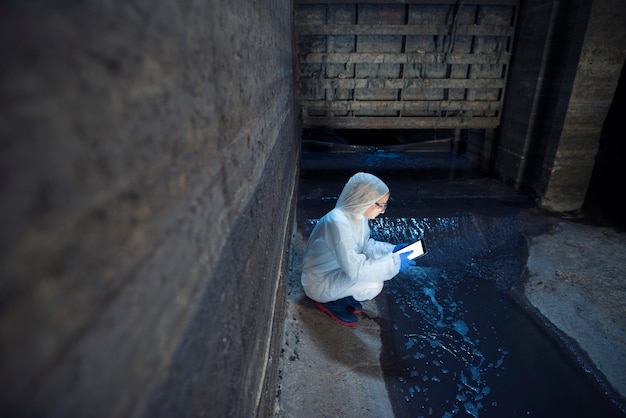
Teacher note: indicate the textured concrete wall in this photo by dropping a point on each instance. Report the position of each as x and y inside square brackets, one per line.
[595, 81]
[564, 72]
[540, 72]
[147, 168]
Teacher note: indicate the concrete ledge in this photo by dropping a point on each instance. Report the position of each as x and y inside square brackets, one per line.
[576, 281]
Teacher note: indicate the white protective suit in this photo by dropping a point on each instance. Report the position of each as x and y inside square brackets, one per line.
[340, 258]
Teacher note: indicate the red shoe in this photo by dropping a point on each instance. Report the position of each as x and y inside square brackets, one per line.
[337, 311]
[354, 305]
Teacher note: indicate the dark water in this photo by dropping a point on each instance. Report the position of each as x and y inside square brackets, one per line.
[458, 345]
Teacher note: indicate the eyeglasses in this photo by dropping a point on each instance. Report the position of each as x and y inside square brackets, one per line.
[381, 205]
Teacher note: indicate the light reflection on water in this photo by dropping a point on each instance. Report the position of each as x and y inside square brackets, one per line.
[457, 344]
[446, 363]
[445, 359]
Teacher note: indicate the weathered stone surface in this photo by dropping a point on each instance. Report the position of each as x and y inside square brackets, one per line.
[148, 164]
[576, 282]
[558, 97]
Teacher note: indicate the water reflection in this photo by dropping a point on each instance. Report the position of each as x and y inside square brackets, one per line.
[458, 345]
[447, 364]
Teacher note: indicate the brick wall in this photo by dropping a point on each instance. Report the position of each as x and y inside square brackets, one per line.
[149, 159]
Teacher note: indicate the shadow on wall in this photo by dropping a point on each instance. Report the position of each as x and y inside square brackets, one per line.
[604, 202]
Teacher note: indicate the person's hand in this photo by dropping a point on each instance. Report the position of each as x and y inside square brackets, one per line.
[405, 262]
[399, 247]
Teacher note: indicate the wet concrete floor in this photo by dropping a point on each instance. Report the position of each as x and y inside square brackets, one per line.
[474, 330]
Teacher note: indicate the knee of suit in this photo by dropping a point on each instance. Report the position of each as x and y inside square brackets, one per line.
[367, 291]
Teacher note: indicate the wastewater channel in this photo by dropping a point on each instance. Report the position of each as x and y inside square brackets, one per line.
[456, 343]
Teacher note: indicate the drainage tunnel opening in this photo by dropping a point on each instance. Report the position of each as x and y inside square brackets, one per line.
[377, 137]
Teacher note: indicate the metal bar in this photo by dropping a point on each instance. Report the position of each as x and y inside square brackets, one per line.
[435, 30]
[406, 83]
[404, 106]
[406, 58]
[366, 122]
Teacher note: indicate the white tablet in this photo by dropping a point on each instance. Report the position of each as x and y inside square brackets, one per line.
[417, 249]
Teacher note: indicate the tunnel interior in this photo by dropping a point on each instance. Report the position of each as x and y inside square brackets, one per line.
[602, 204]
[457, 341]
[143, 144]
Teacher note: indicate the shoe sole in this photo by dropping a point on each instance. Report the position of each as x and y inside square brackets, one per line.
[333, 317]
[350, 308]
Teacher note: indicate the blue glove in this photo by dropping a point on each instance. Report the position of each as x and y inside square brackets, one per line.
[405, 262]
[399, 247]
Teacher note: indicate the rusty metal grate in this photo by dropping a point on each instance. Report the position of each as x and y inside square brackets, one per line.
[403, 65]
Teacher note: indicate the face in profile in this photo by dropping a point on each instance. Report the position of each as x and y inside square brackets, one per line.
[377, 208]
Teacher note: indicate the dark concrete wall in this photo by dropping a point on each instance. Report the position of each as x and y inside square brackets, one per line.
[597, 74]
[540, 83]
[147, 172]
[565, 68]
[601, 201]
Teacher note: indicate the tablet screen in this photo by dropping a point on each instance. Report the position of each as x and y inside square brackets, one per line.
[417, 249]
